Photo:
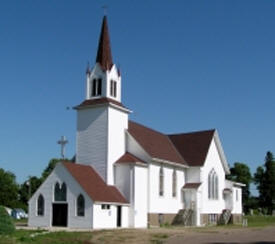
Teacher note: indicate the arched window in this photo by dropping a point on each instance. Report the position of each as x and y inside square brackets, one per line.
[63, 192]
[60, 193]
[161, 181]
[174, 183]
[213, 185]
[40, 205]
[80, 205]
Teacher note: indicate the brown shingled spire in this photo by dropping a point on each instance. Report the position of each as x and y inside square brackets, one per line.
[104, 55]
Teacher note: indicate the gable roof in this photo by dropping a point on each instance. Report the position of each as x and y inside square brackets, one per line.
[128, 158]
[156, 144]
[194, 185]
[193, 146]
[93, 184]
[186, 148]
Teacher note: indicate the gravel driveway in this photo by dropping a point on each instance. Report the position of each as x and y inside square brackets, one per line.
[234, 236]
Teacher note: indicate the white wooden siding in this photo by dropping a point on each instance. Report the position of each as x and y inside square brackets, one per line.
[213, 161]
[166, 203]
[117, 125]
[91, 146]
[60, 174]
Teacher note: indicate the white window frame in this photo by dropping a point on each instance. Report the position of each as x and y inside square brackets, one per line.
[213, 185]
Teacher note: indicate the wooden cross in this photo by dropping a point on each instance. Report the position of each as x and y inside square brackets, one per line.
[62, 142]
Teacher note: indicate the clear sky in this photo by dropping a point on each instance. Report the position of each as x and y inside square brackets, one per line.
[186, 65]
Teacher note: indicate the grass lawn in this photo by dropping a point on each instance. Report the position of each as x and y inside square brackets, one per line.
[151, 236]
[260, 221]
[101, 236]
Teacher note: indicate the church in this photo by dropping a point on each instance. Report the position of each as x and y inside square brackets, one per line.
[131, 176]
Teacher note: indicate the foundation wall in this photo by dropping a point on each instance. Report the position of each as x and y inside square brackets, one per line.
[158, 219]
[235, 219]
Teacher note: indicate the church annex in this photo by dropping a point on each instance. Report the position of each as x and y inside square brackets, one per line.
[129, 175]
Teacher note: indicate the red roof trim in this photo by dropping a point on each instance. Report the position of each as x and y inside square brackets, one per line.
[97, 101]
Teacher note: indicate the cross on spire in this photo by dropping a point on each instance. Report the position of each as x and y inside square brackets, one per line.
[105, 7]
[62, 142]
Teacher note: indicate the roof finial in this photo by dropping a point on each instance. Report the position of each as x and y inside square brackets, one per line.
[105, 7]
[88, 70]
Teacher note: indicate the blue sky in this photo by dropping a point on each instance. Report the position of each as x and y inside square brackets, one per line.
[186, 65]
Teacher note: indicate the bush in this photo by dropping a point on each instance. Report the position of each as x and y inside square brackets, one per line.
[6, 222]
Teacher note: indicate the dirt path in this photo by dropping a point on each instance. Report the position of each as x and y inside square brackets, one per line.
[220, 236]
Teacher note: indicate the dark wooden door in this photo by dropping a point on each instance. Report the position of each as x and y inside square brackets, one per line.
[60, 214]
[118, 220]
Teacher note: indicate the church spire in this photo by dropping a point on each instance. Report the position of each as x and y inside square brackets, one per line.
[104, 55]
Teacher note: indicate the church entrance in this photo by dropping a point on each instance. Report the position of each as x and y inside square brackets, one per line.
[118, 216]
[60, 214]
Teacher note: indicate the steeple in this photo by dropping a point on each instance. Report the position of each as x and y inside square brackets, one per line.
[104, 79]
[104, 54]
[102, 119]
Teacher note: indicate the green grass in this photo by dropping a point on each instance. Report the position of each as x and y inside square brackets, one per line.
[158, 238]
[42, 236]
[21, 222]
[260, 221]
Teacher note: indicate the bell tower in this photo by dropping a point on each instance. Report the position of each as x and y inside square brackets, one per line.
[104, 79]
[101, 118]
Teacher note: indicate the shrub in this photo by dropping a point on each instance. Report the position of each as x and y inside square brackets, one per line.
[6, 222]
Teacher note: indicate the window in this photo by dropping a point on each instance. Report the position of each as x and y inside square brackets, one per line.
[80, 205]
[161, 181]
[96, 87]
[212, 218]
[105, 206]
[213, 185]
[161, 219]
[113, 88]
[60, 194]
[174, 183]
[40, 205]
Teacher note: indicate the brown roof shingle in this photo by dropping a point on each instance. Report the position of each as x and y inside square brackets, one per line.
[104, 54]
[156, 144]
[93, 184]
[186, 148]
[97, 101]
[193, 146]
[129, 158]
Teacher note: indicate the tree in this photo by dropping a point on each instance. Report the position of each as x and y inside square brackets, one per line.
[259, 181]
[28, 188]
[265, 180]
[51, 165]
[6, 222]
[240, 172]
[8, 189]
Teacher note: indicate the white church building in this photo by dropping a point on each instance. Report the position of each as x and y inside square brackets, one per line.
[129, 175]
